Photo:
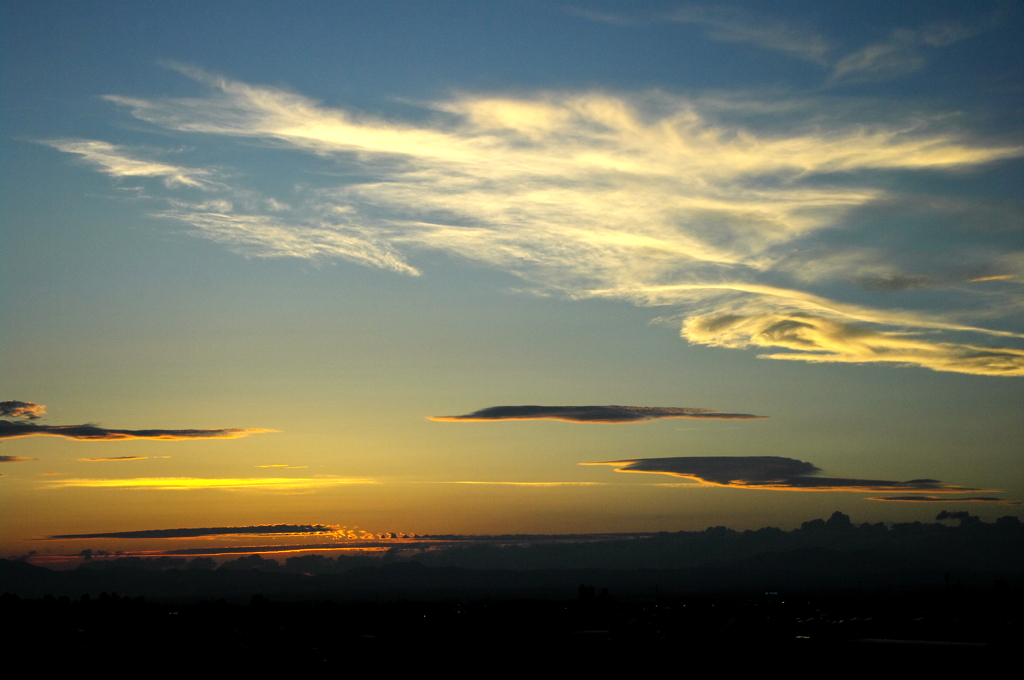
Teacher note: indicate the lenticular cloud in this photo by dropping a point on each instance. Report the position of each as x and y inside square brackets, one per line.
[591, 414]
[769, 472]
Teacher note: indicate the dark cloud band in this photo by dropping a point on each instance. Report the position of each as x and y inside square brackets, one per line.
[262, 530]
[942, 499]
[12, 430]
[769, 472]
[591, 414]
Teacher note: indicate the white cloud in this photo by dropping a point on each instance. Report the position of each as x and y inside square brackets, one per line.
[731, 24]
[117, 161]
[647, 198]
[900, 54]
[269, 236]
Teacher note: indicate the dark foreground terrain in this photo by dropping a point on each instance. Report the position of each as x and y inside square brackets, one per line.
[830, 595]
[925, 626]
[845, 629]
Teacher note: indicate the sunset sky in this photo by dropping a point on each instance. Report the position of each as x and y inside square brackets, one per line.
[307, 263]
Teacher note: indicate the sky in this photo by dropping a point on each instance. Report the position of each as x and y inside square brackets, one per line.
[399, 268]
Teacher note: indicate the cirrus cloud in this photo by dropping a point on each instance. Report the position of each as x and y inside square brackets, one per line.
[647, 197]
[118, 161]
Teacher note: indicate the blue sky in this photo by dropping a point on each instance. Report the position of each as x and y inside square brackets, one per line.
[335, 220]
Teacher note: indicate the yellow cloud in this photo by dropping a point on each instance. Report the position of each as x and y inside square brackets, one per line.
[110, 460]
[648, 198]
[187, 483]
[527, 483]
[118, 162]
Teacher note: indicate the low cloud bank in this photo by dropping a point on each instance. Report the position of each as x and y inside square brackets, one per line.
[591, 414]
[769, 472]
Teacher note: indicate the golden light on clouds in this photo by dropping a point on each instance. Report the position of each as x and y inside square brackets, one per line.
[92, 433]
[774, 473]
[649, 197]
[111, 460]
[194, 483]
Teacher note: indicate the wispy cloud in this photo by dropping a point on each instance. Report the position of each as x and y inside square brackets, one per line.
[649, 198]
[728, 23]
[591, 414]
[902, 53]
[273, 236]
[21, 409]
[14, 459]
[733, 24]
[11, 430]
[259, 530]
[195, 483]
[768, 472]
[118, 161]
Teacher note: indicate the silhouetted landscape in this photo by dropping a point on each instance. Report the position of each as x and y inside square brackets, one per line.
[919, 589]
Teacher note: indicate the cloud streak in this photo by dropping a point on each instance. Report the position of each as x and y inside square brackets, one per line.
[726, 23]
[591, 414]
[650, 198]
[768, 472]
[112, 460]
[118, 161]
[195, 483]
[260, 530]
[942, 499]
[902, 53]
[13, 430]
[539, 484]
[730, 24]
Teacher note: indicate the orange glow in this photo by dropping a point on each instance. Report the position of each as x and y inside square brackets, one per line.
[186, 483]
[93, 433]
[528, 483]
[110, 460]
